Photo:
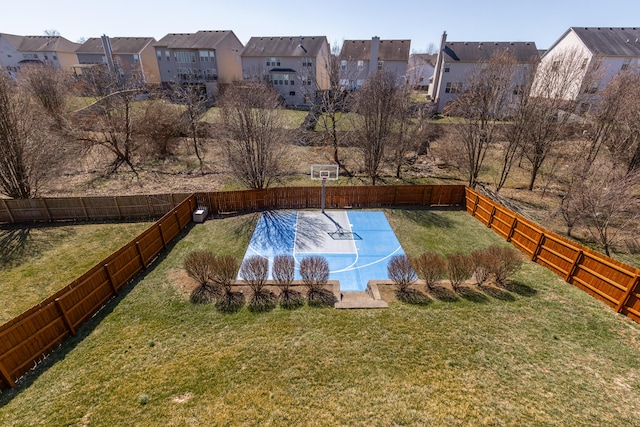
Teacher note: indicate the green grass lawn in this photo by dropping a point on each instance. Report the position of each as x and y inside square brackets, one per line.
[540, 352]
[36, 261]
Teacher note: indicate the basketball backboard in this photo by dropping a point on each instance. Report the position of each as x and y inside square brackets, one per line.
[324, 172]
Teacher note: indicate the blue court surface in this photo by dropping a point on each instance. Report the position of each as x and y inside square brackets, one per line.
[357, 245]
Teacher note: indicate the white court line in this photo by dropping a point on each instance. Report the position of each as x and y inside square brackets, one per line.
[371, 263]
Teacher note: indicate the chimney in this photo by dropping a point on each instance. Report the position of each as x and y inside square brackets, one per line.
[437, 72]
[373, 55]
[108, 53]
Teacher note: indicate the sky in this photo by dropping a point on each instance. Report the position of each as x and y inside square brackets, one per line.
[423, 22]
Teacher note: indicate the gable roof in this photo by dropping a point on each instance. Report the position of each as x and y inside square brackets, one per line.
[41, 43]
[608, 41]
[284, 46]
[119, 45]
[47, 44]
[198, 40]
[418, 59]
[389, 50]
[483, 51]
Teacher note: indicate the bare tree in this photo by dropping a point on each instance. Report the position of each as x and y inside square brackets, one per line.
[483, 105]
[376, 104]
[314, 271]
[547, 112]
[251, 121]
[198, 266]
[460, 268]
[194, 101]
[283, 271]
[51, 32]
[29, 152]
[49, 85]
[255, 270]
[160, 127]
[609, 204]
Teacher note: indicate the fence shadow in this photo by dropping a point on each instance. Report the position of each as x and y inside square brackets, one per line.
[86, 328]
[428, 218]
[20, 242]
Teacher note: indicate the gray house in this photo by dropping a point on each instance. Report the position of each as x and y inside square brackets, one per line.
[17, 51]
[360, 59]
[204, 58]
[420, 71]
[131, 56]
[457, 61]
[296, 66]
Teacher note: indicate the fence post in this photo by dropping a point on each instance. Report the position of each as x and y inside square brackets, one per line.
[627, 294]
[6, 207]
[175, 213]
[513, 228]
[475, 206]
[65, 319]
[84, 209]
[164, 243]
[6, 377]
[115, 201]
[46, 208]
[536, 252]
[144, 264]
[574, 266]
[110, 279]
[493, 213]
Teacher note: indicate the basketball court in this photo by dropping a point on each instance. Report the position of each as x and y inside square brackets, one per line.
[356, 244]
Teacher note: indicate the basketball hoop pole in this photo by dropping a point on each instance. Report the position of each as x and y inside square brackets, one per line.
[324, 182]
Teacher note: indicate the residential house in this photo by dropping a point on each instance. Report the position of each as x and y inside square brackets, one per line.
[296, 66]
[132, 57]
[16, 51]
[360, 59]
[458, 61]
[420, 71]
[204, 58]
[604, 50]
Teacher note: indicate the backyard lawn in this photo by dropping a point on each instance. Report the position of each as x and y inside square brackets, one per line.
[538, 352]
[36, 261]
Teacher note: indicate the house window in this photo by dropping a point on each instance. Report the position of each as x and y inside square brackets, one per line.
[292, 94]
[446, 68]
[343, 65]
[30, 55]
[273, 62]
[518, 89]
[453, 87]
[625, 64]
[159, 55]
[344, 82]
[555, 66]
[167, 55]
[307, 62]
[306, 80]
[380, 65]
[359, 82]
[184, 57]
[360, 65]
[55, 57]
[207, 55]
[136, 58]
[585, 61]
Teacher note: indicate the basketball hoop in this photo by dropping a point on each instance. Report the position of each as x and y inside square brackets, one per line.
[324, 173]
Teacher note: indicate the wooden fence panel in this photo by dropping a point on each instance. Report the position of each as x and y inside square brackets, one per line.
[27, 210]
[66, 208]
[29, 340]
[611, 281]
[86, 296]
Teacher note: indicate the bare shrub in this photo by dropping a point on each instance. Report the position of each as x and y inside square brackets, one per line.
[223, 273]
[255, 270]
[507, 261]
[314, 271]
[483, 262]
[430, 267]
[283, 271]
[401, 272]
[198, 266]
[460, 267]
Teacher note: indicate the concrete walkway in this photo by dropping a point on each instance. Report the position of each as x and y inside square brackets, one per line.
[368, 299]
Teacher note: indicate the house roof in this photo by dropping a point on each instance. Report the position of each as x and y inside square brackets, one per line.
[418, 59]
[389, 50]
[607, 41]
[41, 43]
[284, 46]
[119, 45]
[483, 51]
[198, 40]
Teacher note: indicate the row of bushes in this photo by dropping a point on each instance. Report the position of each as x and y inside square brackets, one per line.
[495, 262]
[216, 276]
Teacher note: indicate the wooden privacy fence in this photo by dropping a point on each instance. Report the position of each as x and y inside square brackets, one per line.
[336, 197]
[611, 281]
[87, 208]
[32, 335]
